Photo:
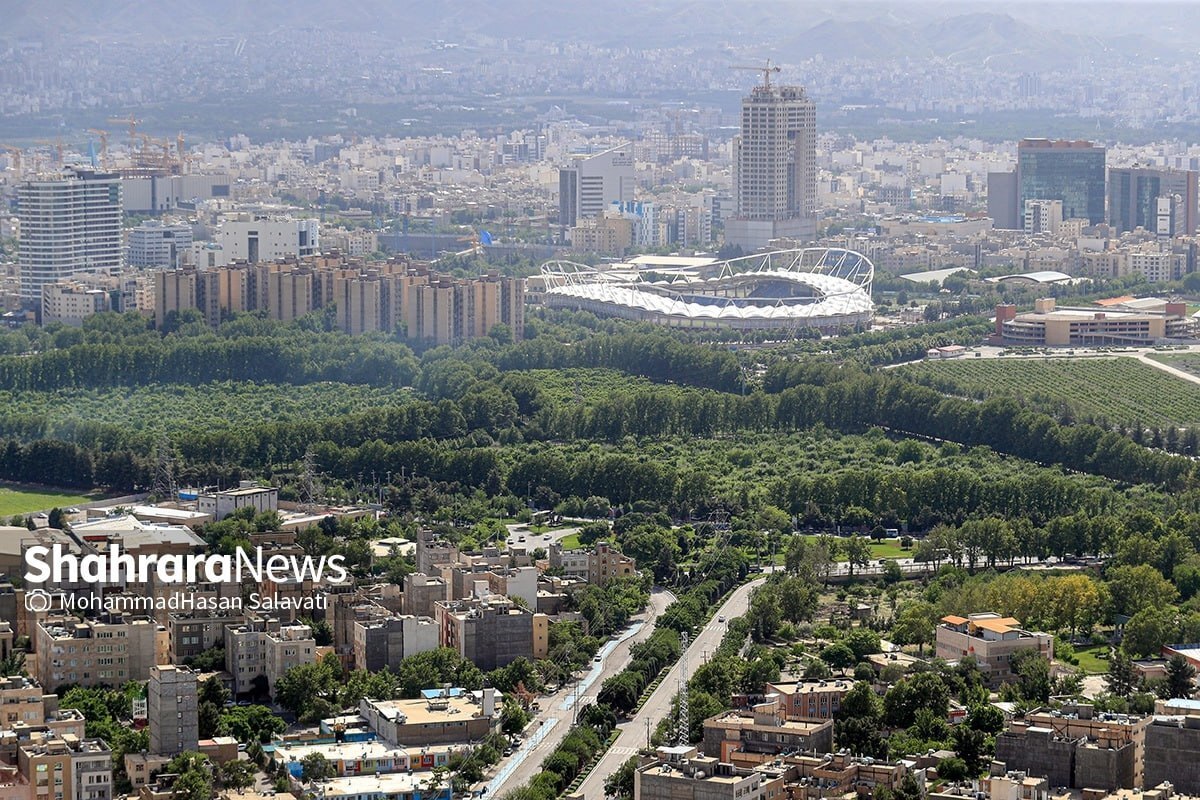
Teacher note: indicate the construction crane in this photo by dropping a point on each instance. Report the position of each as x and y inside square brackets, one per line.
[132, 122]
[103, 145]
[181, 152]
[765, 70]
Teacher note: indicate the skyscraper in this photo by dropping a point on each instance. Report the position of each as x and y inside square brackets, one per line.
[70, 223]
[1071, 171]
[1163, 201]
[775, 163]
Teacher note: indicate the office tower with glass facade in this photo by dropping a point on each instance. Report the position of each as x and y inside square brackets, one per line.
[1162, 201]
[70, 223]
[775, 163]
[1070, 171]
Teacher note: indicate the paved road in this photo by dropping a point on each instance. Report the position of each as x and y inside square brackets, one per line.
[1178, 373]
[551, 724]
[658, 706]
[521, 537]
[1069, 354]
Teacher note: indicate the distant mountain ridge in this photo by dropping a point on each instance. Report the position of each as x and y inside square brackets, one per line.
[962, 32]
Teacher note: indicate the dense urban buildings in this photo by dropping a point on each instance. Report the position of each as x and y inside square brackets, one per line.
[96, 652]
[393, 296]
[154, 244]
[1161, 201]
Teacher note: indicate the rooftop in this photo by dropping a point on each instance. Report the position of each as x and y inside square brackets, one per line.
[427, 711]
[350, 751]
[392, 784]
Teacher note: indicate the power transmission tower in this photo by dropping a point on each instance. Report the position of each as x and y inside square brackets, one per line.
[310, 487]
[682, 722]
[164, 469]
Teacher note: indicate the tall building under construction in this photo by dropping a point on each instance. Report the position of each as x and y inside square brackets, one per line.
[775, 167]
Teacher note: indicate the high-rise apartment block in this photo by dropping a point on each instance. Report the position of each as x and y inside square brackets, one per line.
[775, 168]
[1162, 201]
[172, 709]
[595, 182]
[70, 223]
[1070, 171]
[390, 296]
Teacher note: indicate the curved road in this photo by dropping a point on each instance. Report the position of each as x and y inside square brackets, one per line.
[658, 706]
[550, 725]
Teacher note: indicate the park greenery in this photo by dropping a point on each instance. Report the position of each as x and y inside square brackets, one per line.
[698, 459]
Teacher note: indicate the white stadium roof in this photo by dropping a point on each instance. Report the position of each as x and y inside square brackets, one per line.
[834, 291]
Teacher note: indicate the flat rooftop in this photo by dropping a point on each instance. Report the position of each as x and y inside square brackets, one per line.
[426, 712]
[745, 719]
[809, 687]
[350, 751]
[391, 784]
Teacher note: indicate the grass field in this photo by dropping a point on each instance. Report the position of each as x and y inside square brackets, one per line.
[1110, 391]
[23, 500]
[570, 542]
[888, 548]
[1090, 660]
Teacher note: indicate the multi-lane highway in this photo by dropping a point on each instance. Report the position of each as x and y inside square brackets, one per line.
[557, 713]
[658, 706]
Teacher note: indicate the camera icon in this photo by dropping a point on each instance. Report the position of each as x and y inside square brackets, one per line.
[38, 601]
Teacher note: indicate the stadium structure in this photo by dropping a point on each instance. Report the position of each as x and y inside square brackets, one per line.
[814, 287]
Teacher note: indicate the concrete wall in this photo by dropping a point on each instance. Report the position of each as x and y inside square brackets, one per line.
[1173, 754]
[1038, 753]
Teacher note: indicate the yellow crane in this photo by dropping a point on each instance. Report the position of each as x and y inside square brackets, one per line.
[103, 145]
[765, 70]
[132, 122]
[181, 152]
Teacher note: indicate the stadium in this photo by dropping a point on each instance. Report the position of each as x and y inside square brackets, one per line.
[814, 287]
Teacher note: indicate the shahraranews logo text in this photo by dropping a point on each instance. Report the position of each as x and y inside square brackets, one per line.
[52, 564]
